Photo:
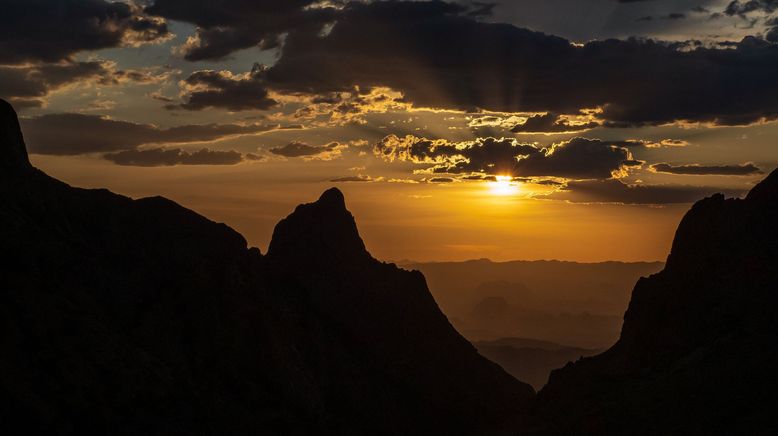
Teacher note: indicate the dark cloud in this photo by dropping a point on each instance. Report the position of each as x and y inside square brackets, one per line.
[222, 89]
[742, 8]
[72, 134]
[440, 180]
[695, 169]
[29, 85]
[479, 177]
[615, 191]
[578, 158]
[32, 83]
[156, 157]
[228, 25]
[772, 30]
[359, 178]
[551, 123]
[772, 35]
[439, 57]
[300, 149]
[54, 30]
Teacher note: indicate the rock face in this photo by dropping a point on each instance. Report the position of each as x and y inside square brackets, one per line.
[121, 316]
[699, 347]
[14, 153]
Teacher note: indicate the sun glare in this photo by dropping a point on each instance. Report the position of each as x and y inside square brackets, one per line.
[503, 185]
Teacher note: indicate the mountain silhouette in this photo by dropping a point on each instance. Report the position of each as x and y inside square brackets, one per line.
[530, 360]
[128, 317]
[122, 316]
[699, 347]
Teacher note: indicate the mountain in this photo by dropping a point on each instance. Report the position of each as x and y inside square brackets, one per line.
[580, 304]
[698, 351]
[122, 316]
[530, 360]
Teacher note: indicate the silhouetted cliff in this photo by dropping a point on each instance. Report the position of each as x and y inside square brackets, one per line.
[699, 345]
[121, 316]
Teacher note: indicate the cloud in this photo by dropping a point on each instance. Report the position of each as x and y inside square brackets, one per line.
[300, 149]
[552, 123]
[46, 31]
[615, 191]
[28, 85]
[578, 158]
[696, 169]
[73, 134]
[743, 8]
[155, 157]
[666, 143]
[222, 89]
[772, 30]
[440, 180]
[32, 83]
[229, 25]
[310, 152]
[503, 68]
[357, 178]
[772, 35]
[343, 108]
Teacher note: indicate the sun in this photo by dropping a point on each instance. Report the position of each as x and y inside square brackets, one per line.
[503, 185]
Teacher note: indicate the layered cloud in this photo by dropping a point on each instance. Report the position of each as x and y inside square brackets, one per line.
[503, 68]
[552, 123]
[133, 144]
[616, 191]
[746, 169]
[317, 152]
[578, 158]
[229, 25]
[28, 85]
[64, 134]
[155, 157]
[357, 178]
[53, 31]
[222, 89]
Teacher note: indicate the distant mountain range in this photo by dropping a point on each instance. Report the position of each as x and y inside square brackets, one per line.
[140, 317]
[579, 304]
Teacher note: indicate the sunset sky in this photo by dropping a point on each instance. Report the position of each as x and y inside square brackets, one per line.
[522, 129]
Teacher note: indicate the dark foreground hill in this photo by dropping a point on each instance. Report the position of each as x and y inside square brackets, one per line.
[130, 317]
[698, 352]
[530, 360]
[121, 316]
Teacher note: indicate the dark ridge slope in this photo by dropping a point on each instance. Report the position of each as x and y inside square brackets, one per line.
[699, 345]
[121, 316]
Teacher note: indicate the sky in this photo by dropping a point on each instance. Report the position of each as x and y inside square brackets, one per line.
[526, 129]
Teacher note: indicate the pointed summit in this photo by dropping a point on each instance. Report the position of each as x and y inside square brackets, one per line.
[319, 233]
[334, 197]
[13, 153]
[767, 189]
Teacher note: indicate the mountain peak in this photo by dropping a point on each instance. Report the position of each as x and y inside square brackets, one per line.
[334, 197]
[13, 153]
[322, 232]
[766, 189]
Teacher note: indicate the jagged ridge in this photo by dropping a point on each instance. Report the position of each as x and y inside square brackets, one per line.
[699, 345]
[132, 317]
